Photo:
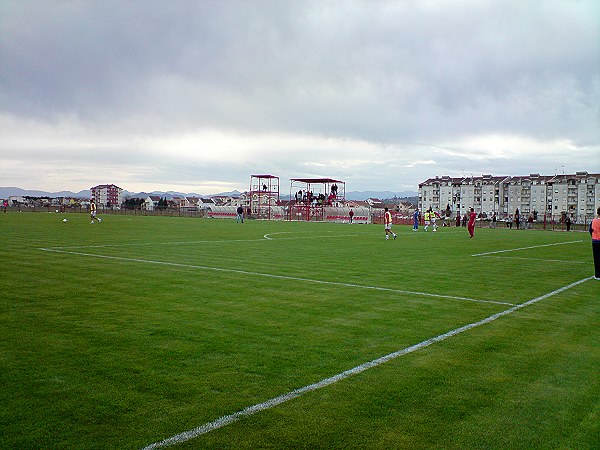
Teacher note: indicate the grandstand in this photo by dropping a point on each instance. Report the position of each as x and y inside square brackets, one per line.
[310, 196]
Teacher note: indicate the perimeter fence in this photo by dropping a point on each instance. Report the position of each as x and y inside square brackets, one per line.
[330, 214]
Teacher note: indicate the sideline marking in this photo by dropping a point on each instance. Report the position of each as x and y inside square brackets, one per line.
[270, 275]
[250, 410]
[525, 248]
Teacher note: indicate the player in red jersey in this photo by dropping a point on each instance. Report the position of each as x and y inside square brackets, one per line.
[471, 224]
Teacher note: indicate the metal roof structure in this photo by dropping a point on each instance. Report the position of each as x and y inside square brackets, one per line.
[264, 176]
[316, 180]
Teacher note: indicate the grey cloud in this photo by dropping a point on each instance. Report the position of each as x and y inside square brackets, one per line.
[297, 64]
[387, 72]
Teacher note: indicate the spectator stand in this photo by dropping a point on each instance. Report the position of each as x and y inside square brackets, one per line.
[264, 196]
[310, 196]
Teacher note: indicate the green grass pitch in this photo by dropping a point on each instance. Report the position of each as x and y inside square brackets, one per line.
[125, 333]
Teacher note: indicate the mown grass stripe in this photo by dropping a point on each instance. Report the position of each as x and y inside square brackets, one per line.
[283, 277]
[250, 410]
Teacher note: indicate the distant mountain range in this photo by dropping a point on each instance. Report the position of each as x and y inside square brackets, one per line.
[6, 192]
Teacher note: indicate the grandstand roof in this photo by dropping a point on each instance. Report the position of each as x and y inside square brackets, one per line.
[317, 180]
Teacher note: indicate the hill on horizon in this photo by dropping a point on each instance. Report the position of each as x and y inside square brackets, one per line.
[9, 191]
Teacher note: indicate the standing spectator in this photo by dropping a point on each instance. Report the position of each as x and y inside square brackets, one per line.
[471, 226]
[568, 223]
[494, 220]
[595, 233]
[517, 218]
[351, 215]
[465, 219]
[416, 220]
[457, 219]
[387, 220]
[240, 214]
[530, 222]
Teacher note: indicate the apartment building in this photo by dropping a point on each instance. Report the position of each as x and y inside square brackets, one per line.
[107, 195]
[577, 195]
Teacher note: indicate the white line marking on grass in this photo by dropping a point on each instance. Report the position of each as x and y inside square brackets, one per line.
[250, 410]
[525, 248]
[221, 241]
[564, 261]
[329, 236]
[270, 275]
[268, 236]
[146, 244]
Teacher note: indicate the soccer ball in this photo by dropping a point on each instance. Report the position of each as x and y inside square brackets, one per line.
[64, 220]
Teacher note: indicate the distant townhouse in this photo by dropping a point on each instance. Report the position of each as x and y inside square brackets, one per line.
[174, 203]
[375, 203]
[151, 202]
[245, 199]
[226, 200]
[357, 204]
[577, 195]
[206, 203]
[107, 195]
[405, 207]
[16, 200]
[189, 203]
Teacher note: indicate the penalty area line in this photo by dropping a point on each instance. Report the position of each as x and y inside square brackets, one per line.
[267, 237]
[525, 248]
[250, 410]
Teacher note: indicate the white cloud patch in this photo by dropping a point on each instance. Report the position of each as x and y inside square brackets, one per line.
[424, 162]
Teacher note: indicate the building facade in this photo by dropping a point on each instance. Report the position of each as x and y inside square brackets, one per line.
[107, 195]
[576, 195]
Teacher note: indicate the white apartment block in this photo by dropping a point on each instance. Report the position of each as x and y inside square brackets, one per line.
[577, 195]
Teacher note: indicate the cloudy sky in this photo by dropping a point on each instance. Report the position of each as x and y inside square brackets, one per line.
[197, 95]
